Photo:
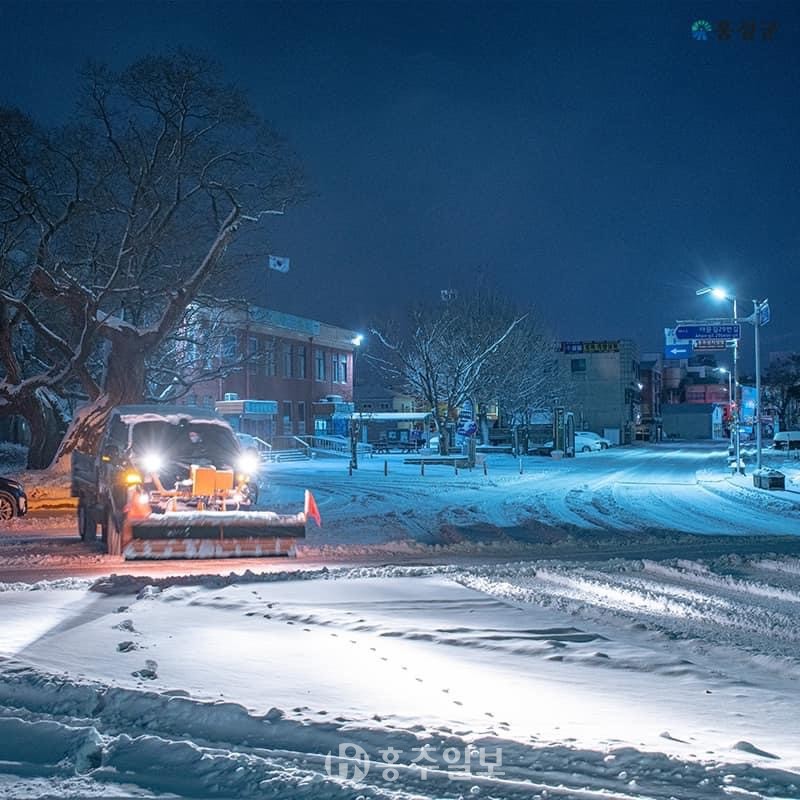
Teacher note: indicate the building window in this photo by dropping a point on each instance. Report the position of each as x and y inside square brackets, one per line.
[319, 361]
[339, 368]
[287, 360]
[287, 416]
[252, 354]
[301, 361]
[229, 346]
[301, 417]
[578, 365]
[270, 368]
[191, 400]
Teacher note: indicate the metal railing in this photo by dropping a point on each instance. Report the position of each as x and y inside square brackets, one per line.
[340, 445]
[304, 444]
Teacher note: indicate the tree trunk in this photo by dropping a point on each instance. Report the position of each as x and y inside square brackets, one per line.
[46, 424]
[125, 385]
[444, 443]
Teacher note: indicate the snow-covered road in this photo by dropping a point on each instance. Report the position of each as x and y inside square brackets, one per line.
[647, 501]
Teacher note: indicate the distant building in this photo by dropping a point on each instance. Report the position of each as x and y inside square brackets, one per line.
[652, 379]
[604, 383]
[298, 374]
[693, 421]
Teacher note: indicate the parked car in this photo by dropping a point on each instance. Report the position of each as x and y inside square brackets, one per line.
[604, 443]
[786, 440]
[13, 500]
[583, 444]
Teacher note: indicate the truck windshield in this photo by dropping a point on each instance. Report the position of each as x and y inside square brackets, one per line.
[190, 442]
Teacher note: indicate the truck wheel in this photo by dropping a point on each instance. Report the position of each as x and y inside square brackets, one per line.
[87, 527]
[113, 535]
[105, 523]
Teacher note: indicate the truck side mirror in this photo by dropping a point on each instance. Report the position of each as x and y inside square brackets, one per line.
[110, 453]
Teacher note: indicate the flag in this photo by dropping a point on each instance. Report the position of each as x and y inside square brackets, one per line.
[279, 263]
[311, 509]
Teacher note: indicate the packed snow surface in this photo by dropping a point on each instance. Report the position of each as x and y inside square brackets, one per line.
[624, 679]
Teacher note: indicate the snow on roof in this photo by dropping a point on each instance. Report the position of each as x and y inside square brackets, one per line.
[391, 416]
[172, 415]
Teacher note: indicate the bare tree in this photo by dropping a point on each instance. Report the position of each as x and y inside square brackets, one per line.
[122, 217]
[782, 389]
[525, 375]
[447, 353]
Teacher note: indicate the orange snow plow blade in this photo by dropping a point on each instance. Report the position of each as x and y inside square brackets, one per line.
[213, 534]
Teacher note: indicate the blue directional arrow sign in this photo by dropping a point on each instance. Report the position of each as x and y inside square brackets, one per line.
[764, 314]
[672, 351]
[708, 331]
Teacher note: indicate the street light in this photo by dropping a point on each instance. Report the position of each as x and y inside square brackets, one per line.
[722, 294]
[354, 426]
[760, 312]
[726, 371]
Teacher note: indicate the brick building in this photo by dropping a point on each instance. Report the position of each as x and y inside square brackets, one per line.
[292, 363]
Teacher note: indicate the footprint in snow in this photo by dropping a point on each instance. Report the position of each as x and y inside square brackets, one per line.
[458, 702]
[748, 747]
[148, 671]
[125, 625]
[126, 647]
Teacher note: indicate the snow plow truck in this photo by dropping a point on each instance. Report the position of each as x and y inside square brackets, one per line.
[174, 482]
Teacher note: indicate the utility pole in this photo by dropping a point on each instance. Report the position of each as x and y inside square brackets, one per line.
[759, 309]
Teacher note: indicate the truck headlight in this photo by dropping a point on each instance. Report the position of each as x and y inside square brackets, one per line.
[152, 462]
[248, 463]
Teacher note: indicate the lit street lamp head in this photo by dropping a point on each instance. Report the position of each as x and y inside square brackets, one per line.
[716, 291]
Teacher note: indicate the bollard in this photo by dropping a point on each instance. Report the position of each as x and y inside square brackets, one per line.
[520, 466]
[484, 469]
[422, 468]
[350, 469]
[455, 467]
[385, 467]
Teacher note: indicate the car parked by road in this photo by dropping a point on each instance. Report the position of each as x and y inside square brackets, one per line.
[13, 500]
[583, 444]
[786, 440]
[604, 443]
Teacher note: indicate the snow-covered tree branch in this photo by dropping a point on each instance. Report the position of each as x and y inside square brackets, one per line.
[116, 221]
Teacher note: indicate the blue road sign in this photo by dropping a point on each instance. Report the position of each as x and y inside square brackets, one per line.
[710, 331]
[764, 314]
[678, 351]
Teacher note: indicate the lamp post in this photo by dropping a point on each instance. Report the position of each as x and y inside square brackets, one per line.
[727, 372]
[722, 294]
[759, 308]
[354, 426]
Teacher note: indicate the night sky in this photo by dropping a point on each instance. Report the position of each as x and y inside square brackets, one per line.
[591, 158]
